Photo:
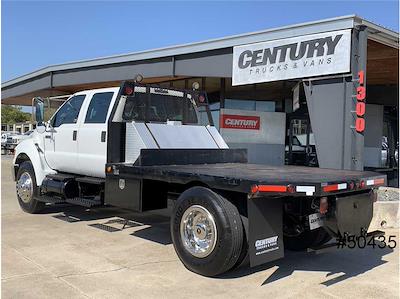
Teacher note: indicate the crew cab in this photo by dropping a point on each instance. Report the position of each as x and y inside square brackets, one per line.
[136, 146]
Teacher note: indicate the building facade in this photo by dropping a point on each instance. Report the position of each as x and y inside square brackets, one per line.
[322, 93]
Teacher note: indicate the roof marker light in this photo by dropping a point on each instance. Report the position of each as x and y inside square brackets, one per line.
[128, 90]
[138, 78]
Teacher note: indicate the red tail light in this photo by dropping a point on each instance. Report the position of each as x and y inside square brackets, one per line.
[362, 184]
[291, 189]
[254, 189]
[323, 205]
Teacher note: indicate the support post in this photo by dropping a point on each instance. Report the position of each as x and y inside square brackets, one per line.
[359, 63]
[222, 93]
[332, 104]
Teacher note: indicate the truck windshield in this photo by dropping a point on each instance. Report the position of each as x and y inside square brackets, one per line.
[160, 107]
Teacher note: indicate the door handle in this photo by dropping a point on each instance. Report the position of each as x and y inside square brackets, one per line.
[47, 136]
[74, 133]
[103, 136]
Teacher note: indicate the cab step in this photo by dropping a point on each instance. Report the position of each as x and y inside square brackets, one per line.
[61, 176]
[50, 199]
[90, 180]
[87, 202]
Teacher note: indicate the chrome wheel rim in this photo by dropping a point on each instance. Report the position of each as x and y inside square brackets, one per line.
[198, 231]
[25, 187]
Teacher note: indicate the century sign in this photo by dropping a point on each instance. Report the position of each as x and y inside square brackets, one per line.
[297, 57]
[229, 121]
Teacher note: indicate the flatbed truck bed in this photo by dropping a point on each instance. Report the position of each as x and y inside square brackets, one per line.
[232, 173]
[241, 176]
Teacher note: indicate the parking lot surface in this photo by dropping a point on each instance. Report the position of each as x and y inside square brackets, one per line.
[72, 252]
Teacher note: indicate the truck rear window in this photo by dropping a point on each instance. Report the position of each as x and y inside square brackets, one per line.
[159, 108]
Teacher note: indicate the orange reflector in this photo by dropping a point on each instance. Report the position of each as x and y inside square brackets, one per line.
[335, 187]
[379, 181]
[272, 188]
[268, 188]
[108, 169]
[330, 188]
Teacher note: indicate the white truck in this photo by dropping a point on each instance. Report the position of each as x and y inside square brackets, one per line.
[136, 146]
[9, 140]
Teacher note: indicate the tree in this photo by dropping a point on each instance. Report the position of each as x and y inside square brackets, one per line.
[13, 114]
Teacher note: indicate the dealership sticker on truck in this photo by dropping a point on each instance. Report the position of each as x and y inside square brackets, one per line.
[316, 220]
[266, 245]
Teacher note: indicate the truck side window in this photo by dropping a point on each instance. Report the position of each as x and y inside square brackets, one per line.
[98, 108]
[68, 113]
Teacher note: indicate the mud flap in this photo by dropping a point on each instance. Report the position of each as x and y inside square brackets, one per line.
[265, 230]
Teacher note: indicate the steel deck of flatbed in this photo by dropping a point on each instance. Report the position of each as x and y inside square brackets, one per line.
[241, 176]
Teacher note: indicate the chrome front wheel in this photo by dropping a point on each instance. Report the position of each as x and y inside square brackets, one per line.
[25, 187]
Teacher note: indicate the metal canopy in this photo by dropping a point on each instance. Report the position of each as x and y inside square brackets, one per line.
[212, 58]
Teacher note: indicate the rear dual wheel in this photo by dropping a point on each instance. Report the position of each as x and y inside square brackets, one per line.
[207, 232]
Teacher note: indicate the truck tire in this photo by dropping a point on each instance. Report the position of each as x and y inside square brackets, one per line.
[244, 258]
[307, 239]
[207, 231]
[27, 189]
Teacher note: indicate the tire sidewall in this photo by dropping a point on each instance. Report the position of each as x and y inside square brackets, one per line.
[219, 257]
[33, 205]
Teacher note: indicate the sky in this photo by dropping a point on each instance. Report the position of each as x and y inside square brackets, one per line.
[35, 34]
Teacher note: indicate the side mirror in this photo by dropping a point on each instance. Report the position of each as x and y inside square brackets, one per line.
[38, 114]
[38, 110]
